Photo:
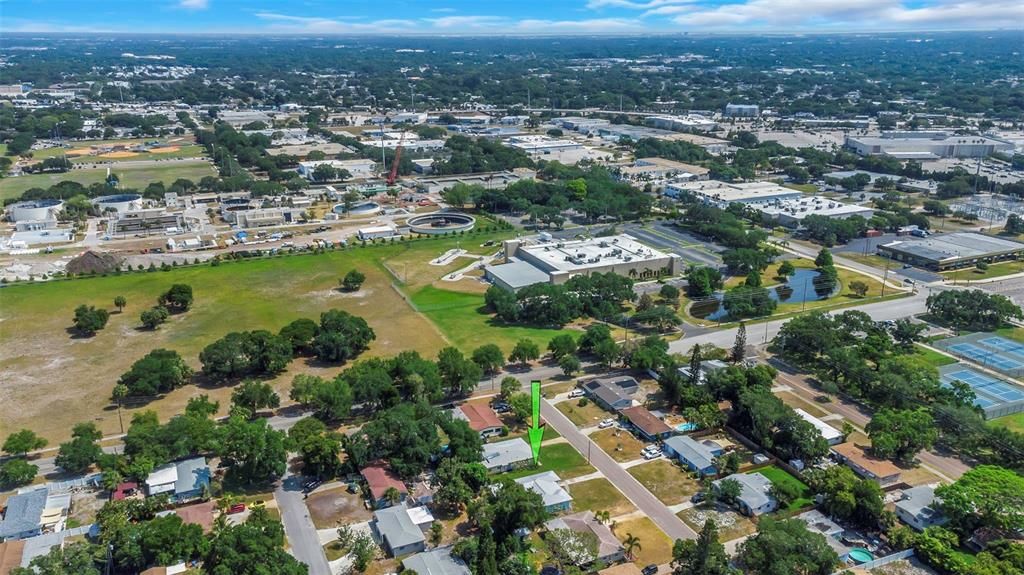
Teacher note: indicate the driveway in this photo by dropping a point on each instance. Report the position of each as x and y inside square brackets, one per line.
[619, 477]
[298, 526]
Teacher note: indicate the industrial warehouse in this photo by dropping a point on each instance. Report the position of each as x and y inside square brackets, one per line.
[544, 260]
[951, 251]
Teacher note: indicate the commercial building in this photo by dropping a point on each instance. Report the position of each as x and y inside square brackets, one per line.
[480, 417]
[503, 456]
[539, 145]
[791, 213]
[558, 261]
[181, 480]
[687, 122]
[35, 210]
[919, 509]
[832, 435]
[377, 232]
[721, 194]
[696, 455]
[648, 169]
[263, 217]
[742, 110]
[546, 484]
[240, 118]
[951, 251]
[754, 498]
[148, 220]
[880, 471]
[929, 145]
[489, 180]
[608, 550]
[359, 168]
[397, 532]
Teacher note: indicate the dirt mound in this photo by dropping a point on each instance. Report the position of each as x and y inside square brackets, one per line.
[115, 155]
[92, 262]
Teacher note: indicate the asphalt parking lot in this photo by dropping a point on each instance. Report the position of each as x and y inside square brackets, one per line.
[667, 237]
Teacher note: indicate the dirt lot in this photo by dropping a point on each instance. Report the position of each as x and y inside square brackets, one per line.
[336, 506]
[619, 443]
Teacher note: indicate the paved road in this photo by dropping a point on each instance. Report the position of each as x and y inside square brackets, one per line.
[626, 483]
[951, 467]
[298, 526]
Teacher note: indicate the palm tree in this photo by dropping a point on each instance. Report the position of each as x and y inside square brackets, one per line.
[632, 544]
[603, 516]
[392, 495]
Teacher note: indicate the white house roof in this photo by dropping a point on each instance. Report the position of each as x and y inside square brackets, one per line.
[507, 452]
[546, 484]
[827, 431]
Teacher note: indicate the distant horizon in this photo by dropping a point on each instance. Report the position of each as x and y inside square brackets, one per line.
[529, 18]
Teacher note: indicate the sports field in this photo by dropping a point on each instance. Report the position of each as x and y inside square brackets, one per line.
[135, 175]
[57, 380]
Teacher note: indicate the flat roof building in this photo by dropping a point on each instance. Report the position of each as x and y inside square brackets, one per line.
[791, 213]
[558, 261]
[538, 144]
[832, 435]
[742, 110]
[489, 180]
[507, 455]
[646, 169]
[721, 194]
[357, 168]
[951, 251]
[929, 145]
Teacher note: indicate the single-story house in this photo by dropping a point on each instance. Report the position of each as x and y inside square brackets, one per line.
[919, 508]
[379, 478]
[832, 435]
[754, 498]
[647, 425]
[480, 417]
[32, 513]
[609, 549]
[507, 455]
[421, 517]
[396, 531]
[696, 455]
[706, 367]
[881, 471]
[181, 480]
[556, 498]
[438, 561]
[422, 492]
[612, 393]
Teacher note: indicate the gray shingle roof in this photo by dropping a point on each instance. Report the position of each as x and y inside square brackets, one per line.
[753, 488]
[919, 501]
[546, 484]
[693, 451]
[436, 562]
[23, 513]
[394, 525]
[502, 453]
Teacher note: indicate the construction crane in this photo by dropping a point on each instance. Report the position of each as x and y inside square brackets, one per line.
[393, 176]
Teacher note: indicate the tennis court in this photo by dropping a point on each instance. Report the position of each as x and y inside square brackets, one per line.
[995, 396]
[992, 351]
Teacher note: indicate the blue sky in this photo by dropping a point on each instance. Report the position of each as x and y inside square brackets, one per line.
[504, 16]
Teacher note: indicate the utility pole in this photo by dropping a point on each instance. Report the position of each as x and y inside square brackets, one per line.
[885, 276]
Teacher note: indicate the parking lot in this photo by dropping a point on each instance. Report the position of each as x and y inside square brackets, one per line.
[667, 237]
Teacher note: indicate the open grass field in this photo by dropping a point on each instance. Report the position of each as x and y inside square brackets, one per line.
[599, 495]
[778, 475]
[131, 176]
[656, 547]
[666, 480]
[458, 315]
[993, 271]
[582, 416]
[620, 444]
[1013, 422]
[933, 357]
[1015, 333]
[731, 525]
[57, 380]
[561, 458]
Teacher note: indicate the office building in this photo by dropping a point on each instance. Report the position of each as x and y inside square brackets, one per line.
[926, 145]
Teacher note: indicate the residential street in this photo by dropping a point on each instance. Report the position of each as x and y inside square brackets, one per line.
[298, 527]
[617, 475]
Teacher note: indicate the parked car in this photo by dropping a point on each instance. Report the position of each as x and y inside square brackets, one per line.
[650, 570]
[697, 497]
[606, 423]
[311, 485]
[575, 393]
[651, 449]
[502, 407]
[236, 508]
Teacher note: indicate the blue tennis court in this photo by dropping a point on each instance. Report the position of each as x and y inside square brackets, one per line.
[1003, 344]
[998, 359]
[989, 392]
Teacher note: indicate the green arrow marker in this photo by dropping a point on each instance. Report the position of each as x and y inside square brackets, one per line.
[536, 429]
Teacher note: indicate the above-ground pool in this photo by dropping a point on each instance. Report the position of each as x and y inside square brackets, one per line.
[685, 427]
[358, 209]
[860, 555]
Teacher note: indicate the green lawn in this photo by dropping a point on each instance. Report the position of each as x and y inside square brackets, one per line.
[933, 357]
[1015, 333]
[666, 480]
[1013, 422]
[585, 415]
[136, 177]
[805, 188]
[42, 366]
[561, 458]
[993, 271]
[777, 475]
[462, 318]
[599, 495]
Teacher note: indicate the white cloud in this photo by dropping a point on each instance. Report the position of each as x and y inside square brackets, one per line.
[467, 21]
[443, 10]
[631, 4]
[194, 4]
[320, 25]
[480, 24]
